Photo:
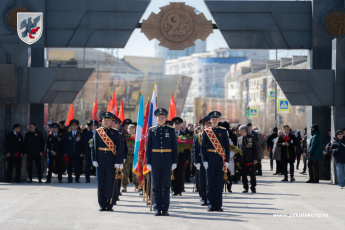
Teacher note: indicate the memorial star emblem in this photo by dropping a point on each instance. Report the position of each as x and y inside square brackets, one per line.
[177, 26]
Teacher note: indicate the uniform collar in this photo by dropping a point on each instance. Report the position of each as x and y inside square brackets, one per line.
[161, 125]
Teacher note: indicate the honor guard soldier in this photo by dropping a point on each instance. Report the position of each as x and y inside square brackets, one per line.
[183, 158]
[55, 152]
[107, 155]
[93, 125]
[161, 159]
[205, 123]
[74, 149]
[215, 150]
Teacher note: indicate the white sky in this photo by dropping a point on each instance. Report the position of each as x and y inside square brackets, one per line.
[139, 45]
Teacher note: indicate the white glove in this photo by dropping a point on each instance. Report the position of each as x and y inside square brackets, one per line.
[174, 166]
[117, 165]
[149, 167]
[197, 166]
[124, 161]
[206, 165]
[95, 163]
[226, 164]
[121, 166]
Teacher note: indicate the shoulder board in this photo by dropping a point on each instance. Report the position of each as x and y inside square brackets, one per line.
[115, 129]
[221, 127]
[153, 127]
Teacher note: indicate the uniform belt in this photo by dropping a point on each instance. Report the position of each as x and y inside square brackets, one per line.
[161, 150]
[211, 150]
[104, 149]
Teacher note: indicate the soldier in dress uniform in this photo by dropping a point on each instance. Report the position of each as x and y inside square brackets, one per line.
[62, 128]
[107, 156]
[161, 159]
[177, 184]
[55, 152]
[205, 123]
[125, 125]
[14, 153]
[215, 150]
[116, 124]
[74, 149]
[93, 125]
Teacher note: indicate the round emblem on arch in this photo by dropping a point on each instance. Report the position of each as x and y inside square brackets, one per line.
[177, 26]
[335, 23]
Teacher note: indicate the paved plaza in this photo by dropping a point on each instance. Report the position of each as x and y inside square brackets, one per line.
[74, 206]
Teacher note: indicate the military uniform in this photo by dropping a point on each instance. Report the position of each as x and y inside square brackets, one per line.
[183, 155]
[73, 147]
[105, 160]
[14, 146]
[129, 163]
[88, 138]
[55, 143]
[161, 155]
[214, 171]
[201, 172]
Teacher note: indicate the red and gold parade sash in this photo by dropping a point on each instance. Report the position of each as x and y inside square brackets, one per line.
[218, 147]
[107, 140]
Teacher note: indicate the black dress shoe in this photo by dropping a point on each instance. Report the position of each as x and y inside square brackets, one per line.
[30, 181]
[292, 179]
[259, 174]
[219, 210]
[285, 179]
[102, 209]
[302, 172]
[110, 209]
[211, 209]
[48, 181]
[245, 191]
[196, 190]
[158, 213]
[275, 174]
[39, 181]
[309, 181]
[204, 204]
[316, 181]
[180, 194]
[253, 190]
[174, 194]
[229, 190]
[165, 213]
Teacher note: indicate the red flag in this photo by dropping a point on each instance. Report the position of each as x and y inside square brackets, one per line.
[121, 112]
[109, 105]
[114, 105]
[172, 108]
[70, 115]
[141, 169]
[95, 113]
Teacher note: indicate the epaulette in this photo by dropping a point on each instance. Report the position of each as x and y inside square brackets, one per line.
[153, 127]
[115, 129]
[221, 127]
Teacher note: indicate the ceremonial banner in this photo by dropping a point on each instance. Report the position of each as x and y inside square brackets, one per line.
[114, 105]
[70, 115]
[121, 112]
[172, 108]
[95, 113]
[140, 123]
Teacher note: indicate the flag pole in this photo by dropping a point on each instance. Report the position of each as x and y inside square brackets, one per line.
[144, 190]
[147, 189]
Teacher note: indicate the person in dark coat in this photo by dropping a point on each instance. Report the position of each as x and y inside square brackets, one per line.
[74, 149]
[299, 149]
[33, 151]
[161, 159]
[215, 161]
[88, 138]
[287, 142]
[63, 129]
[270, 143]
[338, 150]
[107, 157]
[55, 150]
[14, 153]
[247, 163]
[314, 154]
